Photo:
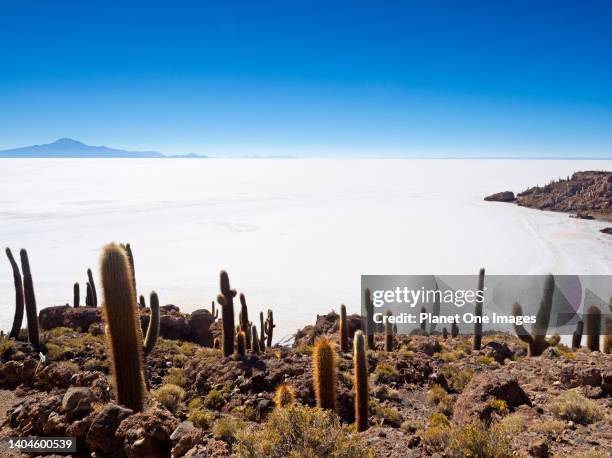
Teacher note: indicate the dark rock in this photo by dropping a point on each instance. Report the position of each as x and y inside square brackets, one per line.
[79, 318]
[473, 403]
[539, 449]
[101, 435]
[199, 327]
[147, 434]
[504, 196]
[498, 351]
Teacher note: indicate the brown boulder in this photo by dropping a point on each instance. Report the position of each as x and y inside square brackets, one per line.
[70, 317]
[147, 434]
[101, 435]
[474, 401]
[199, 327]
[504, 196]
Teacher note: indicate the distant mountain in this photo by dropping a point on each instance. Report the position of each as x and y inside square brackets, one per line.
[68, 148]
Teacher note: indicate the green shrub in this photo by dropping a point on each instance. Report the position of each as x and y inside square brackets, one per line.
[476, 441]
[458, 378]
[439, 397]
[438, 419]
[214, 399]
[299, 431]
[513, 423]
[499, 406]
[179, 360]
[386, 373]
[95, 364]
[195, 403]
[571, 405]
[435, 438]
[390, 415]
[175, 376]
[169, 396]
[226, 428]
[201, 418]
[412, 426]
[551, 427]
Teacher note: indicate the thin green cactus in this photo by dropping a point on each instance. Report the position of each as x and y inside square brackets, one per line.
[454, 330]
[262, 332]
[388, 333]
[214, 312]
[577, 336]
[241, 344]
[255, 346]
[76, 295]
[360, 381]
[92, 285]
[226, 301]
[30, 301]
[537, 339]
[153, 328]
[141, 302]
[269, 328]
[369, 318]
[478, 312]
[593, 327]
[423, 322]
[88, 296]
[343, 330]
[243, 319]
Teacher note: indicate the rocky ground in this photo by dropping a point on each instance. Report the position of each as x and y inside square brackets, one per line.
[585, 194]
[428, 396]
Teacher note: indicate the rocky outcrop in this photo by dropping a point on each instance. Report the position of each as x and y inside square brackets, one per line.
[475, 400]
[326, 325]
[586, 194]
[504, 196]
[77, 318]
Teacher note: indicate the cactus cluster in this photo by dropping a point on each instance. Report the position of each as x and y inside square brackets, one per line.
[19, 299]
[537, 339]
[124, 334]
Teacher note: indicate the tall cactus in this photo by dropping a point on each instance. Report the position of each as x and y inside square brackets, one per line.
[324, 374]
[269, 328]
[153, 328]
[369, 318]
[478, 312]
[30, 301]
[92, 285]
[444, 333]
[360, 381]
[593, 327]
[226, 301]
[88, 296]
[262, 332]
[76, 296]
[537, 338]
[255, 346]
[388, 333]
[241, 344]
[577, 336]
[454, 330]
[243, 318]
[423, 322]
[343, 330]
[124, 333]
[19, 299]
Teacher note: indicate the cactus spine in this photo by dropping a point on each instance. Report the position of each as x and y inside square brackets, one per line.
[593, 327]
[76, 301]
[343, 328]
[262, 332]
[226, 301]
[153, 328]
[454, 330]
[369, 319]
[243, 318]
[478, 312]
[30, 301]
[537, 338]
[92, 285]
[124, 333]
[19, 299]
[269, 327]
[360, 381]
[388, 333]
[324, 374]
[241, 344]
[255, 346]
[285, 395]
[577, 336]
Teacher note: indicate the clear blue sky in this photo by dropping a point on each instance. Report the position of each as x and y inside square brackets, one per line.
[310, 78]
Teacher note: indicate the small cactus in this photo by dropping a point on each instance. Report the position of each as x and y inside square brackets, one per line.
[285, 395]
[226, 301]
[241, 344]
[19, 299]
[141, 302]
[153, 328]
[324, 374]
[124, 333]
[593, 327]
[343, 330]
[478, 313]
[243, 318]
[388, 333]
[269, 328]
[360, 381]
[369, 318]
[454, 330]
[577, 336]
[76, 301]
[537, 338]
[255, 341]
[30, 301]
[214, 312]
[92, 285]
